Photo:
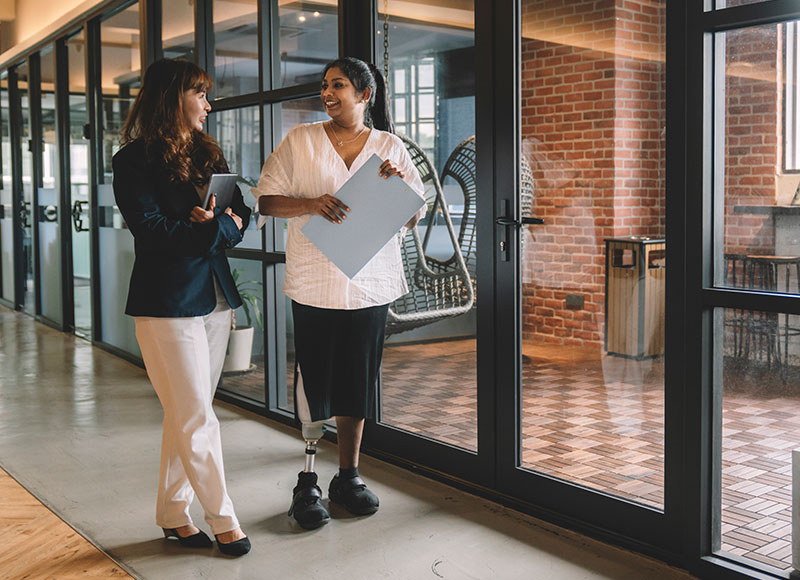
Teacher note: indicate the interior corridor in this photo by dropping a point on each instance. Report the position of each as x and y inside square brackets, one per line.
[80, 429]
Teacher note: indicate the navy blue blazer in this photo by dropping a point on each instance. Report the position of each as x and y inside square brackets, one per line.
[176, 260]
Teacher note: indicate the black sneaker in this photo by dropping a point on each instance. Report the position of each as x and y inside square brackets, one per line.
[307, 507]
[353, 495]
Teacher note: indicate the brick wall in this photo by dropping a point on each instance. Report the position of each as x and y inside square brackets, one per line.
[593, 132]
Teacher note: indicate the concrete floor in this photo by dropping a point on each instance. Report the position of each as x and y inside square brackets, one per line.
[80, 429]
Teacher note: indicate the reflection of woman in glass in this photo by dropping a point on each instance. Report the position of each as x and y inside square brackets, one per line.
[338, 322]
[181, 290]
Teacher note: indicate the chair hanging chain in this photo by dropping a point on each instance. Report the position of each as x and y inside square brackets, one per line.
[386, 43]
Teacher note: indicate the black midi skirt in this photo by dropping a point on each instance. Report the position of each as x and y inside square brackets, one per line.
[339, 354]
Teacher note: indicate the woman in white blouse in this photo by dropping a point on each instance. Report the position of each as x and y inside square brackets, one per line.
[339, 322]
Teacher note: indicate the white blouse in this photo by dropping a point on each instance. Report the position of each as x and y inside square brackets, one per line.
[305, 164]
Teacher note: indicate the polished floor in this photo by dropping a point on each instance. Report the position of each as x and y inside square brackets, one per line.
[80, 429]
[598, 421]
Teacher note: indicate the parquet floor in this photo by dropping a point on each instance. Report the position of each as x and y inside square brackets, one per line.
[598, 421]
[38, 545]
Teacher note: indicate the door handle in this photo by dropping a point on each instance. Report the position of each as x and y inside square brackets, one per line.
[77, 219]
[23, 214]
[507, 221]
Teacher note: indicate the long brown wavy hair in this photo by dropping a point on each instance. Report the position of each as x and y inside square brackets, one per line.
[157, 118]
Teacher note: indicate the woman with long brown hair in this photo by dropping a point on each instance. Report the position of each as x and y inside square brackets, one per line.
[181, 289]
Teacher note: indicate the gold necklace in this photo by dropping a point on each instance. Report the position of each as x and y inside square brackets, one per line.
[339, 142]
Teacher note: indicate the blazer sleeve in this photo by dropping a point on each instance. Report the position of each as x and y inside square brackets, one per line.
[134, 192]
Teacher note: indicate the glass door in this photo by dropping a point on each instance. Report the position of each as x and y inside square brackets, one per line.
[428, 399]
[26, 297]
[116, 84]
[752, 161]
[6, 199]
[77, 171]
[581, 262]
[47, 192]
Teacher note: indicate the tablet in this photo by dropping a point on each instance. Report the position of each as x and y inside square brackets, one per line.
[378, 209]
[222, 185]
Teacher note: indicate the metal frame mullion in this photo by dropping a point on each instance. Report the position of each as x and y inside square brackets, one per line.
[35, 147]
[15, 138]
[772, 11]
[497, 150]
[204, 36]
[94, 101]
[150, 32]
[63, 173]
[357, 22]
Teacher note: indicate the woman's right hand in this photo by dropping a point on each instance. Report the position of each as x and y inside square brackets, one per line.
[236, 219]
[329, 207]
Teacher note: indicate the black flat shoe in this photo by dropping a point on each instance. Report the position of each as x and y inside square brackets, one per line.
[353, 495]
[307, 507]
[198, 540]
[237, 548]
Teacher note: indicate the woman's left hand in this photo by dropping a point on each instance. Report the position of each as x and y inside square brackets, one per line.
[200, 215]
[388, 168]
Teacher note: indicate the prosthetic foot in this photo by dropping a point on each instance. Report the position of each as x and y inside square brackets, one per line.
[307, 507]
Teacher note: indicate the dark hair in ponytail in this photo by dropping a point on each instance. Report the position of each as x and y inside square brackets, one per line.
[363, 76]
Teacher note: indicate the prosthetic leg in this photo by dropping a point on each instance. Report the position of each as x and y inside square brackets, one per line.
[312, 433]
[307, 507]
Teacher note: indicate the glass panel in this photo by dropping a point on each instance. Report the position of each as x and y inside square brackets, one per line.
[762, 205]
[235, 47]
[6, 209]
[23, 84]
[308, 39]
[49, 262]
[756, 388]
[79, 184]
[593, 276]
[429, 377]
[177, 29]
[285, 321]
[287, 115]
[119, 40]
[238, 133]
[244, 368]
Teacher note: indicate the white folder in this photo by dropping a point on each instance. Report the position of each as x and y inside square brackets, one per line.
[378, 209]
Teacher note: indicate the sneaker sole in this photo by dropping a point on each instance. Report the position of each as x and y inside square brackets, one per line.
[314, 525]
[367, 512]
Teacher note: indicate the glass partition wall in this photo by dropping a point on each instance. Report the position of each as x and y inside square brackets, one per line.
[429, 379]
[77, 173]
[21, 108]
[757, 357]
[7, 222]
[48, 211]
[119, 81]
[593, 275]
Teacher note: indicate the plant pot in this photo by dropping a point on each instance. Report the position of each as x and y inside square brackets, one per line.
[240, 349]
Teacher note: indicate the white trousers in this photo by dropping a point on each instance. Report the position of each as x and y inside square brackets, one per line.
[183, 358]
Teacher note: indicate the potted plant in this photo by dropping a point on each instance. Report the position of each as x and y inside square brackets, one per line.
[240, 343]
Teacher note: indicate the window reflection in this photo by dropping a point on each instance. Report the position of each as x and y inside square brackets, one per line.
[177, 29]
[238, 134]
[757, 434]
[309, 38]
[235, 47]
[429, 380]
